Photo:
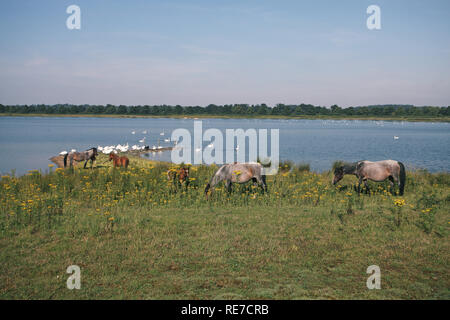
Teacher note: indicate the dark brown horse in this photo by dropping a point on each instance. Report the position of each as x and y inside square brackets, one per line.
[376, 171]
[119, 161]
[178, 176]
[85, 156]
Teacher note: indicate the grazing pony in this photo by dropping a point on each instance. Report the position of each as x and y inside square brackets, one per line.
[119, 161]
[87, 155]
[239, 173]
[376, 171]
[178, 176]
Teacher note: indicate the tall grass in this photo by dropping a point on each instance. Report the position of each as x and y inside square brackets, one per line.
[42, 200]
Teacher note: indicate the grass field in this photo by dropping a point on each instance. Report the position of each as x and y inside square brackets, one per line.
[136, 235]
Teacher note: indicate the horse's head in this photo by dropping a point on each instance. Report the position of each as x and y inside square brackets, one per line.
[95, 152]
[111, 155]
[338, 174]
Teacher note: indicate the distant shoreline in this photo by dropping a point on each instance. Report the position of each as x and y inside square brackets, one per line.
[204, 116]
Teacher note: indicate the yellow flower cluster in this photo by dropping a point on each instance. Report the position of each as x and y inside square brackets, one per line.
[399, 202]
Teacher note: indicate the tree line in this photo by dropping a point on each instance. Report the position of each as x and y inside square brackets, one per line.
[231, 109]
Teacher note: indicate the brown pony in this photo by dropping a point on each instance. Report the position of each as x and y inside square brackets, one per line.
[178, 176]
[119, 161]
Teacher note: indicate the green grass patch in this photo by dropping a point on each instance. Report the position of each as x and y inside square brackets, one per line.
[135, 235]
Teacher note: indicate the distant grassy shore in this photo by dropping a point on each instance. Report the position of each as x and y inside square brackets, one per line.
[137, 236]
[203, 116]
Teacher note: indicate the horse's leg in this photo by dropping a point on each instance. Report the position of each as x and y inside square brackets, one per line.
[228, 185]
[261, 183]
[397, 181]
[391, 182]
[359, 184]
[85, 163]
[186, 182]
[367, 186]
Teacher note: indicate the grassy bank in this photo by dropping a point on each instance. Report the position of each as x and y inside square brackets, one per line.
[136, 235]
[233, 116]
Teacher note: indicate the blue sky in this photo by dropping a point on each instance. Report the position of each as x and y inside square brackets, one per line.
[222, 52]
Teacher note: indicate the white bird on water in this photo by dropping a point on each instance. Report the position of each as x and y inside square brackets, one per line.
[133, 132]
[162, 133]
[122, 148]
[144, 132]
[108, 149]
[396, 138]
[142, 140]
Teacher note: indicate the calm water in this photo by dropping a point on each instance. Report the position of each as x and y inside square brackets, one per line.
[28, 143]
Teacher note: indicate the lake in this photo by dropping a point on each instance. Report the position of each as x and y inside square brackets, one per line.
[28, 142]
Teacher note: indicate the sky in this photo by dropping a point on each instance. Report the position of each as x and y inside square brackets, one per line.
[225, 52]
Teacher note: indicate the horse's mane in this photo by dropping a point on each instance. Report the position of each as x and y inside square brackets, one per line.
[338, 164]
[346, 166]
[350, 167]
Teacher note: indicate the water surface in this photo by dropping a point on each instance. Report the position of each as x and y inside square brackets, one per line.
[28, 142]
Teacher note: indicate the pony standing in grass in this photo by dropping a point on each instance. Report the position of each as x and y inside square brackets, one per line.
[87, 155]
[376, 171]
[178, 176]
[239, 173]
[119, 161]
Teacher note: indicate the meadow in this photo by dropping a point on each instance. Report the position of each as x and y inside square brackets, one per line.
[136, 235]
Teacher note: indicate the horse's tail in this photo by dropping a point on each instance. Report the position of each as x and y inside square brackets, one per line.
[402, 177]
[65, 159]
